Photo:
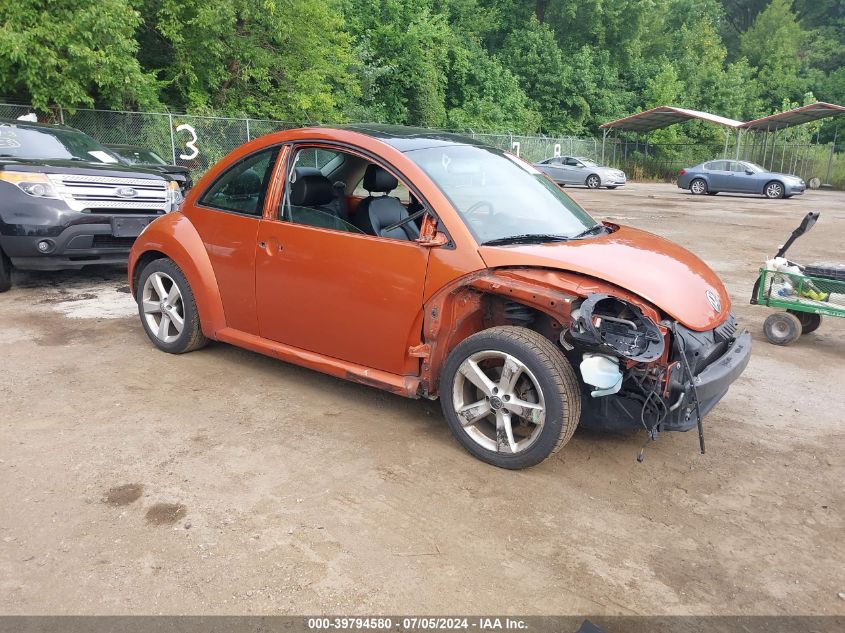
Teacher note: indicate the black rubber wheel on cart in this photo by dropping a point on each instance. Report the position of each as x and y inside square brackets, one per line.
[782, 328]
[809, 322]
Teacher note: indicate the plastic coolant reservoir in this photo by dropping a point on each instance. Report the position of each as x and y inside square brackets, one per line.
[602, 372]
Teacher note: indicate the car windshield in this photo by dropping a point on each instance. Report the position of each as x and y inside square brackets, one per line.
[500, 197]
[51, 144]
[138, 156]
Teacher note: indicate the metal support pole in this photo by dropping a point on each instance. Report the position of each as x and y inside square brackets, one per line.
[725, 153]
[774, 149]
[765, 148]
[172, 139]
[782, 156]
[738, 140]
[248, 137]
[830, 158]
[603, 140]
[61, 115]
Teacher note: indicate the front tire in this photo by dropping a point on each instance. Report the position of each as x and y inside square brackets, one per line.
[773, 190]
[167, 308]
[510, 397]
[5, 272]
[698, 187]
[593, 181]
[782, 328]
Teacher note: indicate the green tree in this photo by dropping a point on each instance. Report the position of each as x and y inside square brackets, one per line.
[73, 53]
[775, 44]
[283, 59]
[532, 55]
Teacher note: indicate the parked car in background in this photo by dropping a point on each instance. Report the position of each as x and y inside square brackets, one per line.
[738, 176]
[572, 170]
[67, 202]
[142, 157]
[431, 266]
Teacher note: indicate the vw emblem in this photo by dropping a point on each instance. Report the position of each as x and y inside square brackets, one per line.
[713, 299]
[126, 192]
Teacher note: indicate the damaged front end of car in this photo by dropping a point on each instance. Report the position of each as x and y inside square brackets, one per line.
[638, 372]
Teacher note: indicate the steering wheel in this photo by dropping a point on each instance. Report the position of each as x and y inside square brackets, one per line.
[479, 205]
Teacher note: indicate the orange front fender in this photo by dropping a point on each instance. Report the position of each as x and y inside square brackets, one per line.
[174, 236]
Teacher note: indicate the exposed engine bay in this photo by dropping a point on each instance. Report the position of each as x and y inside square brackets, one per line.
[639, 373]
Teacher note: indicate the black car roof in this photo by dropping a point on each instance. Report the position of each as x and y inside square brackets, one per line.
[408, 138]
[31, 125]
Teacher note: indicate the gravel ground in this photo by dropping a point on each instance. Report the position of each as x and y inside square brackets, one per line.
[226, 482]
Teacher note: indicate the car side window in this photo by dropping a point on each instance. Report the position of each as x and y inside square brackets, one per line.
[317, 196]
[241, 189]
[571, 162]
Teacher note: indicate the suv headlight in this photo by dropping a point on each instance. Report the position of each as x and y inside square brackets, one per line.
[174, 196]
[33, 184]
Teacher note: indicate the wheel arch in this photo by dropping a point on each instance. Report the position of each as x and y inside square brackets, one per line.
[766, 183]
[494, 297]
[175, 237]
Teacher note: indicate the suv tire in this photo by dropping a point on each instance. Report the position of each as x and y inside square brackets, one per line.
[510, 387]
[5, 272]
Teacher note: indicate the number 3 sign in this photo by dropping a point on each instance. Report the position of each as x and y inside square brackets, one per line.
[191, 144]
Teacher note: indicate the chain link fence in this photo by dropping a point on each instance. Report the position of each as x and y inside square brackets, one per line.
[197, 142]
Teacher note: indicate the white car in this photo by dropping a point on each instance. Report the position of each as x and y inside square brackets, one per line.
[574, 170]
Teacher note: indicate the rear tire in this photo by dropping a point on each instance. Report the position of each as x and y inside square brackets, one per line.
[593, 181]
[527, 405]
[166, 304]
[773, 190]
[809, 322]
[698, 187]
[5, 272]
[782, 328]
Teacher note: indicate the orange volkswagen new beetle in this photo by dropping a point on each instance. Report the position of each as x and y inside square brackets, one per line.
[429, 265]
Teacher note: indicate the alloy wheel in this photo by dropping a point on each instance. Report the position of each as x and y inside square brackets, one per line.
[774, 190]
[593, 182]
[499, 402]
[164, 310]
[698, 187]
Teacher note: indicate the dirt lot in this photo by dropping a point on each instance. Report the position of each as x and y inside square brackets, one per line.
[293, 492]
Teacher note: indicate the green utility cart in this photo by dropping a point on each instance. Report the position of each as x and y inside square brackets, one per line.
[805, 293]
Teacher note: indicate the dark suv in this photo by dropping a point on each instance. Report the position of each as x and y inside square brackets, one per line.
[148, 159]
[67, 202]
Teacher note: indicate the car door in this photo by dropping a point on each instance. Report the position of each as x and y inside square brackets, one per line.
[226, 216]
[743, 182]
[572, 171]
[551, 167]
[327, 288]
[720, 176]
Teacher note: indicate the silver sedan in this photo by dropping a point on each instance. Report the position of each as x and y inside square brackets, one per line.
[574, 170]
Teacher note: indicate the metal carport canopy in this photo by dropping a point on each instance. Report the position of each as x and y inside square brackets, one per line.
[664, 116]
[796, 116]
